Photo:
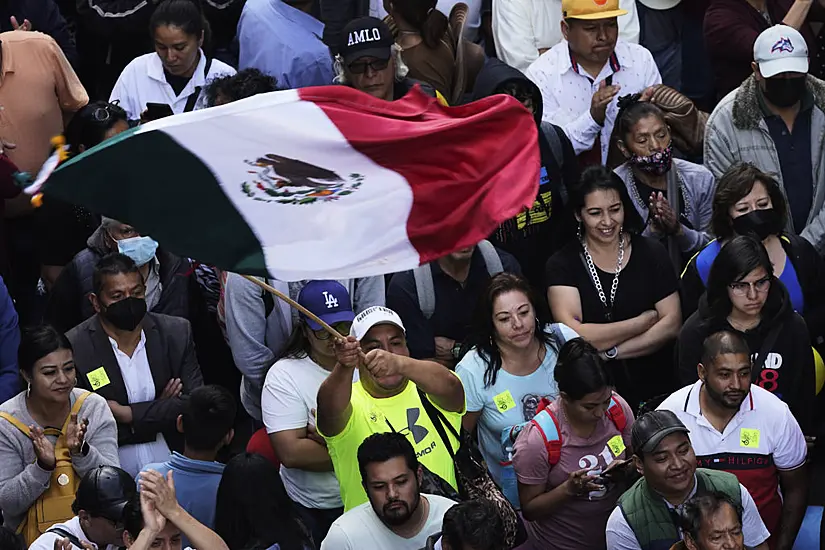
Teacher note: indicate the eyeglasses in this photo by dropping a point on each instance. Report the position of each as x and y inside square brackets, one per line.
[741, 288]
[342, 328]
[360, 67]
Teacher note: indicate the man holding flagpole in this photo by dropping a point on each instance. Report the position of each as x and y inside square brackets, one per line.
[387, 398]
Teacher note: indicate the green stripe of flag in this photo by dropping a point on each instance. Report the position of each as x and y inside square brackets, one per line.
[182, 203]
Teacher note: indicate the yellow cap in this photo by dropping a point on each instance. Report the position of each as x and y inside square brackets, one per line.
[591, 9]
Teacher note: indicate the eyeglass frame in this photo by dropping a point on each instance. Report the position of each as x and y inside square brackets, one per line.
[322, 334]
[744, 286]
[370, 64]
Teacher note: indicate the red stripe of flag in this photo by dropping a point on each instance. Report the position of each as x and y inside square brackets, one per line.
[470, 167]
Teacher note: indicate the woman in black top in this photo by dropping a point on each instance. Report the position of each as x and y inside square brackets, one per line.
[617, 289]
[62, 227]
[744, 296]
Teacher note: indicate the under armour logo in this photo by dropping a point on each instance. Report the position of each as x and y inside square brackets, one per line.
[418, 432]
[330, 301]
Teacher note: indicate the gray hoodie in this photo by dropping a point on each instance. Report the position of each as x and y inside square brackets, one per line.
[257, 339]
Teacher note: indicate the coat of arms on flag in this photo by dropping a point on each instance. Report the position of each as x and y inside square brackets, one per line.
[290, 181]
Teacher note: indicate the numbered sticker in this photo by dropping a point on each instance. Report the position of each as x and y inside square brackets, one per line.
[504, 401]
[98, 378]
[616, 445]
[749, 438]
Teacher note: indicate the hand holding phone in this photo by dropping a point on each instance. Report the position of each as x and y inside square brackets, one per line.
[156, 111]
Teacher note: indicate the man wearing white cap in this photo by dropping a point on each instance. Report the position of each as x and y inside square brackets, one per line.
[395, 393]
[775, 121]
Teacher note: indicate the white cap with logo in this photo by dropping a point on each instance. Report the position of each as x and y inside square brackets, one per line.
[780, 49]
[376, 315]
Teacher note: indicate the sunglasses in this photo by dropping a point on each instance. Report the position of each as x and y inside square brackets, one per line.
[360, 67]
[342, 328]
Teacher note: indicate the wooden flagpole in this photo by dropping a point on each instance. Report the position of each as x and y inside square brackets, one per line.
[334, 333]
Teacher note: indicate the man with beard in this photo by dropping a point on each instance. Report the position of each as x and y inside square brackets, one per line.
[746, 431]
[142, 363]
[397, 515]
[644, 518]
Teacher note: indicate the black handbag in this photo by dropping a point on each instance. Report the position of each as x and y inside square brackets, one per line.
[474, 481]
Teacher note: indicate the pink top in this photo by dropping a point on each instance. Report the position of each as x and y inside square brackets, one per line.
[580, 523]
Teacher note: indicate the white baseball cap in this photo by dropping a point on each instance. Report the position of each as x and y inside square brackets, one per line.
[660, 4]
[376, 315]
[780, 49]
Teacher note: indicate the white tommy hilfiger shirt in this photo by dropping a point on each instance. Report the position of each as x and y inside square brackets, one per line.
[761, 439]
[567, 90]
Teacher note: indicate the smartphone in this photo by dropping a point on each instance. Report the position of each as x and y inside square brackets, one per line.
[157, 111]
[614, 468]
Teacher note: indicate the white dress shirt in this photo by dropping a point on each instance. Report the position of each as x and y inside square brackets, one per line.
[140, 387]
[567, 90]
[143, 81]
[523, 27]
[46, 540]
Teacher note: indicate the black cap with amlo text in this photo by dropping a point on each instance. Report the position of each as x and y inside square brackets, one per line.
[366, 37]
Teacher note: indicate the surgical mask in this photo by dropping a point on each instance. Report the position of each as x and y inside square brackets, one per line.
[125, 314]
[784, 92]
[140, 249]
[657, 164]
[759, 223]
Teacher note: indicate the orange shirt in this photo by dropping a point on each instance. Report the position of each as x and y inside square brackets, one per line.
[37, 85]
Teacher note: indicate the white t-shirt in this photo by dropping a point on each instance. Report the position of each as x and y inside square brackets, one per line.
[290, 393]
[360, 529]
[143, 81]
[46, 540]
[621, 537]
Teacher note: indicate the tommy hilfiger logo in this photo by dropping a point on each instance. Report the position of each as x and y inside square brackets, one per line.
[784, 44]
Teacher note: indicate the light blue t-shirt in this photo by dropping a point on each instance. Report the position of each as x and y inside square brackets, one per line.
[507, 404]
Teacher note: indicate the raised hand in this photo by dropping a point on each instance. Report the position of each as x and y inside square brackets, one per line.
[382, 364]
[600, 100]
[26, 26]
[348, 351]
[160, 491]
[153, 520]
[76, 433]
[43, 448]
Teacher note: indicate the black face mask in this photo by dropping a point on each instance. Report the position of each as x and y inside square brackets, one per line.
[125, 314]
[759, 223]
[784, 92]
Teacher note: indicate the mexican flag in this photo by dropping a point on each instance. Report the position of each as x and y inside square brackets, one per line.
[315, 183]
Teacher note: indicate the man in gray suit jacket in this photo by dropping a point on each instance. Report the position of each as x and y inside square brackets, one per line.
[142, 363]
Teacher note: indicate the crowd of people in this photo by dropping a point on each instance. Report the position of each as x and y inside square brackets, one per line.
[632, 363]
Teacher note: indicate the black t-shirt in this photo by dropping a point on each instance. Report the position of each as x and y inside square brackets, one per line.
[647, 278]
[178, 83]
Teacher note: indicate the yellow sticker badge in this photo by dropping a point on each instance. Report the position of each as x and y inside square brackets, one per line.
[98, 378]
[749, 438]
[616, 445]
[504, 401]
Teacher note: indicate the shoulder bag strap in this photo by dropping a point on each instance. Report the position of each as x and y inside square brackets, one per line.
[16, 423]
[193, 97]
[767, 344]
[491, 258]
[439, 422]
[425, 289]
[75, 410]
[66, 535]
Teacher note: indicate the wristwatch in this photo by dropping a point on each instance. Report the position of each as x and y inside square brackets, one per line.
[612, 353]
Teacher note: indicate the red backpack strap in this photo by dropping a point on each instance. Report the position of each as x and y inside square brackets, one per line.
[550, 431]
[616, 413]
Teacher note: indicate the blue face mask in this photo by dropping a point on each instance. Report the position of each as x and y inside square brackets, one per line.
[140, 249]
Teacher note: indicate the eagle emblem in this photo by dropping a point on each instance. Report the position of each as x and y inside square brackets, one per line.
[274, 178]
[784, 44]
